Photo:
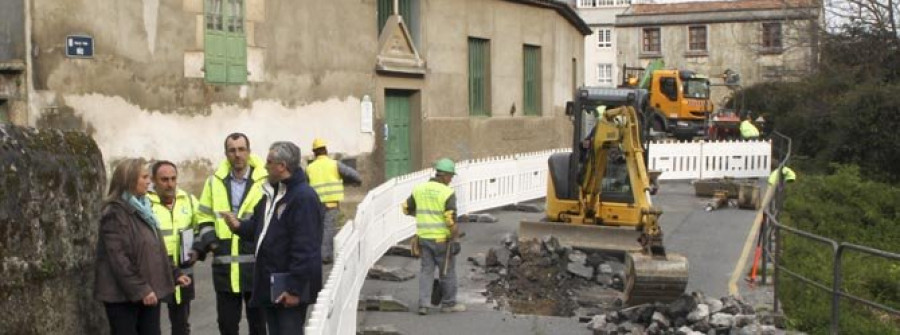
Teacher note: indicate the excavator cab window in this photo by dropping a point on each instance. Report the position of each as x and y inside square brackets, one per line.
[616, 185]
[669, 88]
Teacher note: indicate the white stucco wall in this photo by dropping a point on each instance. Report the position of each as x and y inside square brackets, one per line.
[122, 129]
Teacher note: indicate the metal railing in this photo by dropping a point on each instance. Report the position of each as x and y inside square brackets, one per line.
[774, 232]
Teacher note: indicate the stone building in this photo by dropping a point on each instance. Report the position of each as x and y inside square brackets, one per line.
[759, 39]
[168, 79]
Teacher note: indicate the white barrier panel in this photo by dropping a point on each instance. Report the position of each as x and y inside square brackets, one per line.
[701, 160]
[677, 160]
[379, 223]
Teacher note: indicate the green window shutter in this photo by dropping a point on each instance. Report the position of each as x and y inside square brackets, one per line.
[225, 42]
[385, 9]
[236, 43]
[531, 83]
[214, 42]
[479, 81]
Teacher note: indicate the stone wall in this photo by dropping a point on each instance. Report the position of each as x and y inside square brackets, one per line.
[51, 185]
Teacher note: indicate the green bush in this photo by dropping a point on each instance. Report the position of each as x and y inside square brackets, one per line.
[845, 207]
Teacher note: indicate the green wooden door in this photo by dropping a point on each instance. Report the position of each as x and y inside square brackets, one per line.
[397, 110]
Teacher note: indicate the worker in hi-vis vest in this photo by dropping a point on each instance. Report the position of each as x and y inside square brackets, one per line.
[177, 214]
[235, 187]
[433, 203]
[328, 176]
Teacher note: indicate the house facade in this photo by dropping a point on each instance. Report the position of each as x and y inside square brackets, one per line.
[391, 88]
[600, 48]
[760, 40]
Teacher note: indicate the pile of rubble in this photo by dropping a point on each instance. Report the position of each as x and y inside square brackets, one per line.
[546, 278]
[689, 315]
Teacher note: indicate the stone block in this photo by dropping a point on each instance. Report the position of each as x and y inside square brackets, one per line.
[52, 186]
[390, 273]
[379, 330]
[382, 303]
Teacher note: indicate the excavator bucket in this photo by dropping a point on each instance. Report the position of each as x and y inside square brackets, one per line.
[651, 278]
[592, 237]
[648, 278]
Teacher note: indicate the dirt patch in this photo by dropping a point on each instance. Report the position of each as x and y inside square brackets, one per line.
[533, 279]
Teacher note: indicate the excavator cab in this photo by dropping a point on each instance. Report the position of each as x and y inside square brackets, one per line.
[598, 195]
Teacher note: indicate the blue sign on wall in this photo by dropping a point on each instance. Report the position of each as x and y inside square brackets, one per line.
[79, 46]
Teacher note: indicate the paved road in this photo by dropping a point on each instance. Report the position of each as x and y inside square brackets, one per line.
[712, 241]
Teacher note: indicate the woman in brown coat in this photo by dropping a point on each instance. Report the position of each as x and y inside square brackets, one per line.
[133, 271]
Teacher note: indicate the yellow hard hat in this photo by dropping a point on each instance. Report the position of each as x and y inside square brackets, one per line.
[318, 143]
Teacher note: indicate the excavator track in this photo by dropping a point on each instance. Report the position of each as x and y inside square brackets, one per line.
[651, 278]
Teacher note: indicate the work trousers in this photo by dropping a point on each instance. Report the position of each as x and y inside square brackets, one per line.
[432, 258]
[286, 321]
[178, 317]
[228, 308]
[132, 318]
[330, 227]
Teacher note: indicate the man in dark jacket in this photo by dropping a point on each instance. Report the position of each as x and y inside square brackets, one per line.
[286, 228]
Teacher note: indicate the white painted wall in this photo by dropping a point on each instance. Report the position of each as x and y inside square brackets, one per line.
[600, 18]
[122, 129]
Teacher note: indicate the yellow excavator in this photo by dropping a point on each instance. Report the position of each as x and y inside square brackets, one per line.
[599, 195]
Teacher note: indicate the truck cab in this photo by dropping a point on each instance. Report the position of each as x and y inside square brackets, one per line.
[679, 102]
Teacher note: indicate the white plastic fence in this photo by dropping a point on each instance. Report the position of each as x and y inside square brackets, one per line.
[379, 224]
[700, 160]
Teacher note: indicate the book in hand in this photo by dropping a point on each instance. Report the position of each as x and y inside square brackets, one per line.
[279, 285]
[186, 236]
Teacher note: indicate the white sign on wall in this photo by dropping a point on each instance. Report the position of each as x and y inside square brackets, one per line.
[366, 111]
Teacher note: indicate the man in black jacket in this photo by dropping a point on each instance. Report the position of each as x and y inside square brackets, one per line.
[286, 228]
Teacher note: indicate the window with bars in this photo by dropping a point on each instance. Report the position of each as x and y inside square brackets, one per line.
[408, 11]
[771, 39]
[604, 74]
[697, 38]
[225, 43]
[479, 76]
[604, 36]
[651, 41]
[532, 80]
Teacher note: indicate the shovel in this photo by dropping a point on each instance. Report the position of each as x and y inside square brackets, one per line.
[436, 293]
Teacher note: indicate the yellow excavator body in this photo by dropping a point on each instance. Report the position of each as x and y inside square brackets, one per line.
[599, 198]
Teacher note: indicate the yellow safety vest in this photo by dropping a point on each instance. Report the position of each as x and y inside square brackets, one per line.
[325, 178]
[748, 130]
[171, 222]
[214, 199]
[431, 198]
[789, 175]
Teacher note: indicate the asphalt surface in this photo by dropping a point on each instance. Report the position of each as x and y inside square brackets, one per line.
[712, 241]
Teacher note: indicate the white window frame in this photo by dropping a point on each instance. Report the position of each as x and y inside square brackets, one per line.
[604, 38]
[608, 69]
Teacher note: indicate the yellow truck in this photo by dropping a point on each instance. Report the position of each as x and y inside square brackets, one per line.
[678, 100]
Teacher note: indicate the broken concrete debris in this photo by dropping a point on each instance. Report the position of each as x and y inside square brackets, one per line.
[688, 315]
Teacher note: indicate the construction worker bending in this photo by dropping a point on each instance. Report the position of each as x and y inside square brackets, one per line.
[327, 176]
[433, 203]
[789, 175]
[176, 212]
[748, 130]
[235, 187]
